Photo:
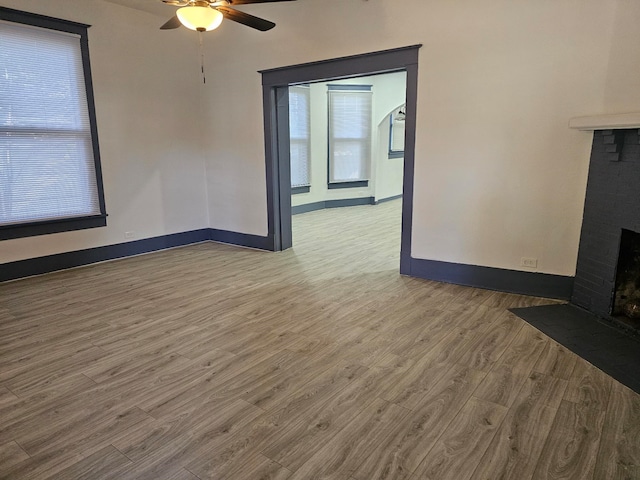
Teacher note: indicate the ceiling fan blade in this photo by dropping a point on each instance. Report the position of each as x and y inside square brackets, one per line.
[178, 3]
[246, 2]
[246, 19]
[174, 22]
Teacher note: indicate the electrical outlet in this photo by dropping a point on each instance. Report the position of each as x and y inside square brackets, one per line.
[129, 235]
[529, 262]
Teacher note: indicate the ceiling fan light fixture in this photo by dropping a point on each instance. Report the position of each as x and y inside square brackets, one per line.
[199, 18]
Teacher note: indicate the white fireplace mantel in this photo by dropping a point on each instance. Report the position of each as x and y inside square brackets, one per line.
[606, 122]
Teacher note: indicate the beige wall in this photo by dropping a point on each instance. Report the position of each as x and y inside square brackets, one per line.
[498, 174]
[148, 103]
[388, 171]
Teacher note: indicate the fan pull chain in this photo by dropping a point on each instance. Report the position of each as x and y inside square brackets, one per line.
[200, 39]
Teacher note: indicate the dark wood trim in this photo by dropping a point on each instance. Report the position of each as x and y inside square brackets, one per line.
[63, 225]
[272, 165]
[409, 163]
[63, 261]
[9, 232]
[78, 258]
[43, 21]
[93, 121]
[283, 178]
[513, 281]
[386, 61]
[356, 184]
[383, 61]
[241, 239]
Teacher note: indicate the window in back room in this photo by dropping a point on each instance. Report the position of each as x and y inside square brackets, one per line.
[350, 108]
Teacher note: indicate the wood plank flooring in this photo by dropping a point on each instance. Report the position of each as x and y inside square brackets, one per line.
[322, 362]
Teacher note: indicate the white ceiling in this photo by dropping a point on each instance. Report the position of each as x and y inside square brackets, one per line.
[155, 7]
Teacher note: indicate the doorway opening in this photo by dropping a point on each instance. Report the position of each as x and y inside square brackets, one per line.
[276, 83]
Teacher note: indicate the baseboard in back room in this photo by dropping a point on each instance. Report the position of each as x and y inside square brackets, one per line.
[388, 199]
[345, 202]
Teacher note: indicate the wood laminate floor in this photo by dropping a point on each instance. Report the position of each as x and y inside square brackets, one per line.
[322, 362]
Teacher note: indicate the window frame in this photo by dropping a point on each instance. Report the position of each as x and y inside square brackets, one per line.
[43, 227]
[356, 88]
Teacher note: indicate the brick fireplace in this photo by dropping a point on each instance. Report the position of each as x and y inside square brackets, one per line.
[607, 280]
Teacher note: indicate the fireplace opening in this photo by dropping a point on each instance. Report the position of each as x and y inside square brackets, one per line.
[626, 298]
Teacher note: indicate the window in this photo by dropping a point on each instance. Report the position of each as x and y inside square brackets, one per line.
[50, 178]
[349, 135]
[396, 132]
[300, 134]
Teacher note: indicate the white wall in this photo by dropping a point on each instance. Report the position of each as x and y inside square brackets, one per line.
[388, 171]
[498, 174]
[148, 97]
[388, 93]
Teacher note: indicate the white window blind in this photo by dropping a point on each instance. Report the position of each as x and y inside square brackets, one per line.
[349, 133]
[300, 135]
[47, 169]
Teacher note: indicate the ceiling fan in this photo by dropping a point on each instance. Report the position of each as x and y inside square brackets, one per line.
[206, 15]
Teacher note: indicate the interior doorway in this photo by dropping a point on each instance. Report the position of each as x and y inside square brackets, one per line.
[347, 142]
[276, 84]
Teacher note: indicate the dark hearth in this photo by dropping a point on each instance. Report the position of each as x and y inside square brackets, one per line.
[612, 351]
[607, 283]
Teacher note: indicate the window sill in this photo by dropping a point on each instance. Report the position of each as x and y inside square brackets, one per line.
[8, 232]
[358, 184]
